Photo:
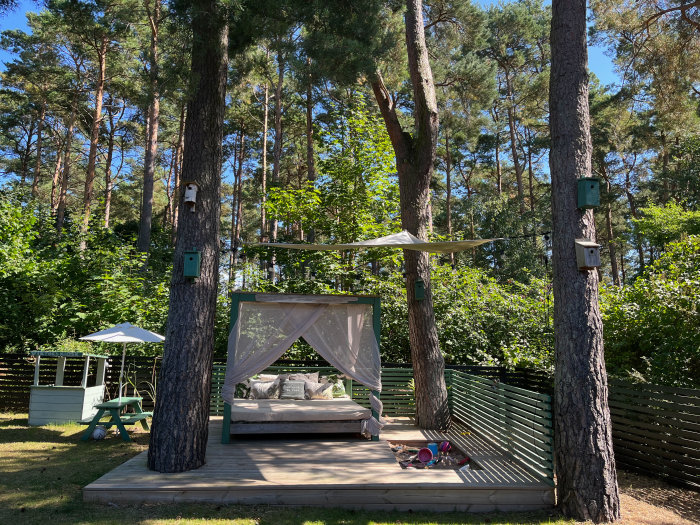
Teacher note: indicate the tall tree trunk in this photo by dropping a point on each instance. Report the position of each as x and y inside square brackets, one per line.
[37, 165]
[109, 183]
[586, 477]
[611, 236]
[236, 208]
[67, 162]
[181, 417]
[149, 163]
[178, 169]
[631, 200]
[448, 183]
[56, 179]
[25, 154]
[514, 145]
[497, 152]
[94, 136]
[310, 165]
[415, 156]
[263, 177]
[530, 171]
[277, 149]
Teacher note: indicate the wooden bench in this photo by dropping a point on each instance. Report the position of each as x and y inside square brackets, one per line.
[126, 419]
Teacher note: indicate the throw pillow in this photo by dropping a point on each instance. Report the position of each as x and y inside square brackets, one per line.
[313, 377]
[293, 390]
[264, 389]
[318, 390]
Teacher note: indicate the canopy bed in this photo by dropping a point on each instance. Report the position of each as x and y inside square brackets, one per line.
[343, 329]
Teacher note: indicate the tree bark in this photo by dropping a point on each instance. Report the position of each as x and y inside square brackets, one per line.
[67, 161]
[149, 163]
[514, 145]
[611, 235]
[178, 169]
[56, 180]
[277, 149]
[37, 165]
[263, 177]
[530, 171]
[180, 421]
[109, 183]
[415, 157]
[586, 477]
[448, 183]
[94, 136]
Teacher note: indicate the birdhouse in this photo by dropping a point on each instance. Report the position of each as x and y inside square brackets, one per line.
[588, 193]
[190, 195]
[193, 262]
[419, 289]
[587, 254]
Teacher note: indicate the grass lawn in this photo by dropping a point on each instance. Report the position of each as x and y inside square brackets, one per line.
[43, 469]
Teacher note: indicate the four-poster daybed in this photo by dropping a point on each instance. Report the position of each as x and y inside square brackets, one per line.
[343, 329]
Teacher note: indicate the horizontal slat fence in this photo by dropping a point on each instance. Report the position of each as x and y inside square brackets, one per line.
[656, 430]
[396, 395]
[516, 420]
[17, 375]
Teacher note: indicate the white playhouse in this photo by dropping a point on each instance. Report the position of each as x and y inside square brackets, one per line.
[58, 403]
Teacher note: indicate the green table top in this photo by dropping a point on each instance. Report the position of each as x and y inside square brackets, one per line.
[119, 403]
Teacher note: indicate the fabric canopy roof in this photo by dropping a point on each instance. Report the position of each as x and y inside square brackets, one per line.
[403, 240]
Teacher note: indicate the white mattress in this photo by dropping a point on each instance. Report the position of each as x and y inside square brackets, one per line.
[281, 410]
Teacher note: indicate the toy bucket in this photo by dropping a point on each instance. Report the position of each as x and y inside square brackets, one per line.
[425, 455]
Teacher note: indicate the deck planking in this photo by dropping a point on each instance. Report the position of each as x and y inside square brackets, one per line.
[337, 471]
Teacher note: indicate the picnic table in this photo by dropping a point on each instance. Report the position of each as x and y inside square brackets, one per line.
[115, 407]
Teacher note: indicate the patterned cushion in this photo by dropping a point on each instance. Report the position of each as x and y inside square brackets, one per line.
[264, 389]
[292, 390]
[313, 377]
[318, 390]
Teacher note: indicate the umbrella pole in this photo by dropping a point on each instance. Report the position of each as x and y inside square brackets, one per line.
[121, 372]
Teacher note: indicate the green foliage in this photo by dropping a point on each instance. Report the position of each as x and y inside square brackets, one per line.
[52, 291]
[652, 327]
[663, 224]
[479, 321]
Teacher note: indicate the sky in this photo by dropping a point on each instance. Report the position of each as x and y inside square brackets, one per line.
[598, 62]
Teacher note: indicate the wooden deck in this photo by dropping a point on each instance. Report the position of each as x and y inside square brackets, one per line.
[331, 472]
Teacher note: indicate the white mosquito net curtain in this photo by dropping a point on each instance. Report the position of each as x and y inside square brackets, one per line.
[338, 328]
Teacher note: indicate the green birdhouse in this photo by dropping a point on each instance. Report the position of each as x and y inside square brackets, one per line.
[193, 262]
[419, 289]
[588, 193]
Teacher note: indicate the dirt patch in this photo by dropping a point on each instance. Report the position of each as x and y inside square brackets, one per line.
[407, 456]
[639, 492]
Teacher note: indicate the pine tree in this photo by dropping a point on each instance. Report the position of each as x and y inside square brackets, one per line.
[584, 459]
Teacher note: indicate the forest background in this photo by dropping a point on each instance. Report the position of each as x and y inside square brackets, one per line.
[92, 117]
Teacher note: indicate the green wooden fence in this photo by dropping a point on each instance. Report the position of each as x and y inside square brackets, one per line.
[656, 430]
[516, 420]
[396, 394]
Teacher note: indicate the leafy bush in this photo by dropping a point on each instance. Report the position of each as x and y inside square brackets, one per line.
[52, 291]
[652, 327]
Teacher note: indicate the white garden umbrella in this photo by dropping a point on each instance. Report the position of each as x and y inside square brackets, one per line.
[124, 333]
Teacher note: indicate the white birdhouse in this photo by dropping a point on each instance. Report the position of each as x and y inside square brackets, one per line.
[191, 195]
[587, 254]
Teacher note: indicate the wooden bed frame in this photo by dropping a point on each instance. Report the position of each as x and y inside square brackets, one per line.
[263, 417]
